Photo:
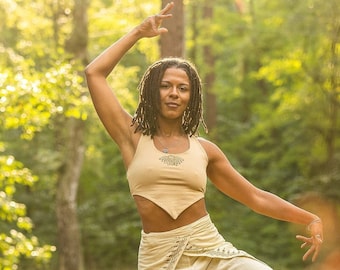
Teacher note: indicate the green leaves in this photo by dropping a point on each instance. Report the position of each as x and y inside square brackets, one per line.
[29, 102]
[15, 243]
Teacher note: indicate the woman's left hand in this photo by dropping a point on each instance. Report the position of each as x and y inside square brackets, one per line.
[315, 241]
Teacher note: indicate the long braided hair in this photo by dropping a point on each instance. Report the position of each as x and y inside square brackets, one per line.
[145, 117]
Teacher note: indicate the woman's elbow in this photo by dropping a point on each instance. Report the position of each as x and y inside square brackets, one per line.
[89, 71]
[258, 201]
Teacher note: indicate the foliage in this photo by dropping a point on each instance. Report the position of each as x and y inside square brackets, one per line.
[29, 103]
[278, 102]
[16, 240]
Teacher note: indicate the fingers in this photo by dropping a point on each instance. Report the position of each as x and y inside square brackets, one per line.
[157, 19]
[150, 27]
[303, 238]
[167, 8]
[317, 245]
[315, 242]
[316, 253]
[313, 249]
[308, 253]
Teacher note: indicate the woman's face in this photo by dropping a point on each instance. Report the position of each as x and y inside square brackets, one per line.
[174, 93]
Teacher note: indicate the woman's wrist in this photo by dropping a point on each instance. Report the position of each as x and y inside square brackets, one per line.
[136, 33]
[315, 220]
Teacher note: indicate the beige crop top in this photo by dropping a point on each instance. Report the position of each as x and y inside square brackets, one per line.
[172, 181]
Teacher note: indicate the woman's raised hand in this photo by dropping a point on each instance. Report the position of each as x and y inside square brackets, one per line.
[150, 27]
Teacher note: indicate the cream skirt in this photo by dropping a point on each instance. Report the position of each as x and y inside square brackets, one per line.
[197, 246]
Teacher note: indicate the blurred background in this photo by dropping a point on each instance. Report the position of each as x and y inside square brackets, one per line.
[271, 75]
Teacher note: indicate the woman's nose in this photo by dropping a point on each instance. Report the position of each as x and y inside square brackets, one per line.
[174, 91]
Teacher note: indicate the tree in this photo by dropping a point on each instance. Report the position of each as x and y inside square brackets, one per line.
[173, 45]
[72, 146]
[209, 75]
[39, 105]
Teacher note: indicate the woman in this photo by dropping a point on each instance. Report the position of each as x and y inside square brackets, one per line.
[167, 164]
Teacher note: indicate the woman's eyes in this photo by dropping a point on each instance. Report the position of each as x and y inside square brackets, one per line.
[165, 86]
[181, 88]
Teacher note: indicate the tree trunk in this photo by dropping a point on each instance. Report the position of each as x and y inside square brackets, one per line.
[73, 148]
[69, 239]
[209, 76]
[172, 44]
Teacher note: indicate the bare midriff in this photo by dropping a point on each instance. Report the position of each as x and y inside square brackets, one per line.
[155, 219]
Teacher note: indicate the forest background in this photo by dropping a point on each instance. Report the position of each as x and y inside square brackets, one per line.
[271, 79]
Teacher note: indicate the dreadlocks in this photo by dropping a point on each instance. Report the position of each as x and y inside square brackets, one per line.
[146, 114]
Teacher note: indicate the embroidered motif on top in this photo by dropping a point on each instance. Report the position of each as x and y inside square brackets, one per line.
[171, 160]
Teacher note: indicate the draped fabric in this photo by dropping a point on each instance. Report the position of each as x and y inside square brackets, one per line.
[196, 246]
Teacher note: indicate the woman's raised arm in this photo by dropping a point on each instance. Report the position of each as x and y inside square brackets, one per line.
[115, 119]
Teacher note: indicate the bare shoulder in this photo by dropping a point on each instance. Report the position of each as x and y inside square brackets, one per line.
[212, 150]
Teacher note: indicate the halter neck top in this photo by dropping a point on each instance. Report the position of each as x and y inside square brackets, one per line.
[171, 181]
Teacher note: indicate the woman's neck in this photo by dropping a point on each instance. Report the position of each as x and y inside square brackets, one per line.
[170, 132]
[169, 129]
